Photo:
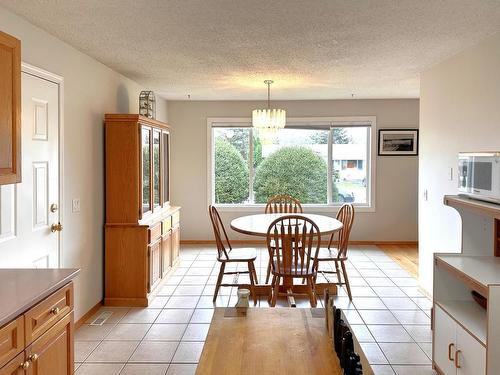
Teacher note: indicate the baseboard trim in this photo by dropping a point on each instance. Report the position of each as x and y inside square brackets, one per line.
[259, 242]
[87, 315]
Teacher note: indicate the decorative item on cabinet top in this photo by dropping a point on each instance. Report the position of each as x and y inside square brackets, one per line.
[10, 109]
[147, 104]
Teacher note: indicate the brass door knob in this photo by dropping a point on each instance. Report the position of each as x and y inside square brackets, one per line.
[55, 311]
[56, 227]
[24, 365]
[33, 357]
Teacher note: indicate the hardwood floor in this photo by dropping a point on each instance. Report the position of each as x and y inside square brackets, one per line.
[405, 255]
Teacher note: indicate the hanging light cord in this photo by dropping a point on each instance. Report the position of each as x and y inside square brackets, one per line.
[268, 83]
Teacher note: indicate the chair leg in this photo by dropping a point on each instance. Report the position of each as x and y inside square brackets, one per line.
[268, 271]
[273, 282]
[275, 291]
[219, 279]
[337, 271]
[251, 274]
[255, 278]
[311, 292]
[346, 280]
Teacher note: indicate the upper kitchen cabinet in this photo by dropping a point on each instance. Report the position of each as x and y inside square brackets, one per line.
[10, 109]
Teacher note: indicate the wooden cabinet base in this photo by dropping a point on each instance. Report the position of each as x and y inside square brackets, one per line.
[135, 267]
[47, 350]
[140, 302]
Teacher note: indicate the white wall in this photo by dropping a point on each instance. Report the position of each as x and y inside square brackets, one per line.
[395, 218]
[91, 89]
[459, 111]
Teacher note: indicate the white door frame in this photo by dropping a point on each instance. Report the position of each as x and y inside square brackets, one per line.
[59, 81]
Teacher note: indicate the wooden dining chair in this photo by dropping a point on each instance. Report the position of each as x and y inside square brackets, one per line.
[336, 251]
[295, 256]
[281, 204]
[226, 254]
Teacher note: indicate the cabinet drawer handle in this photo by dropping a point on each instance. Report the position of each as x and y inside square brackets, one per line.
[450, 347]
[33, 357]
[24, 365]
[55, 311]
[457, 365]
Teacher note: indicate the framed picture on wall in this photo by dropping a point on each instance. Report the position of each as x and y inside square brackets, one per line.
[397, 142]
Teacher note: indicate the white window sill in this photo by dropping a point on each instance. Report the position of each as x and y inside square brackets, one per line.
[308, 208]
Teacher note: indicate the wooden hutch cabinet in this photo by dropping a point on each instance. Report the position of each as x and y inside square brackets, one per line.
[10, 109]
[142, 229]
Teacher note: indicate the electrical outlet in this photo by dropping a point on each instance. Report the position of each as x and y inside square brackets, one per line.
[450, 174]
[75, 205]
[426, 195]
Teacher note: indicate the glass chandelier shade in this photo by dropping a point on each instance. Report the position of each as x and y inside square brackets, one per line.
[268, 120]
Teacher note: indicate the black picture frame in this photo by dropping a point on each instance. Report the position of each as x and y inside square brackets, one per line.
[404, 142]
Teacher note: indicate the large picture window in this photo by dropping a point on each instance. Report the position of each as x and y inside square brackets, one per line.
[320, 163]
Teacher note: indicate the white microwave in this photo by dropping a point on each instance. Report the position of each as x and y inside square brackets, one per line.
[479, 175]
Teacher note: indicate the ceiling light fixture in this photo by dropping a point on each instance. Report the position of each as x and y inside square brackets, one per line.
[268, 120]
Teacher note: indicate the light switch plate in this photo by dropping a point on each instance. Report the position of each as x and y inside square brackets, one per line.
[75, 207]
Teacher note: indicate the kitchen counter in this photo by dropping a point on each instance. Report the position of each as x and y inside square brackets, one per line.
[20, 289]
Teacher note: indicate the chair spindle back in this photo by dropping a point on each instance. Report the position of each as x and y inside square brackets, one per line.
[221, 238]
[346, 217]
[283, 204]
[299, 240]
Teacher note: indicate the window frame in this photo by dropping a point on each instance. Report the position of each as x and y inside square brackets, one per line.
[325, 123]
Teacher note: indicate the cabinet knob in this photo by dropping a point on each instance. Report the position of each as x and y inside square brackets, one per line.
[24, 365]
[55, 311]
[450, 348]
[457, 365]
[33, 357]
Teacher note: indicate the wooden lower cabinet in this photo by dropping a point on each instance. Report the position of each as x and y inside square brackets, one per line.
[14, 367]
[139, 257]
[176, 241]
[166, 253]
[52, 353]
[154, 254]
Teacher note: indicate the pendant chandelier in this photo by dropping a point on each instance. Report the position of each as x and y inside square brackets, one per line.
[268, 120]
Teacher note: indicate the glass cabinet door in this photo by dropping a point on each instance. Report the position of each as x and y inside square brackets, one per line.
[166, 168]
[146, 169]
[156, 168]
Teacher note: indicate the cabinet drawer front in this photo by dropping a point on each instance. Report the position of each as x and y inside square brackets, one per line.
[166, 225]
[14, 367]
[154, 232]
[176, 218]
[48, 312]
[11, 340]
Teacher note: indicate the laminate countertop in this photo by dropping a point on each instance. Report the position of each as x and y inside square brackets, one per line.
[21, 289]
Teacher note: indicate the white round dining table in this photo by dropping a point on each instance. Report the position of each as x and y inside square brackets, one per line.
[257, 225]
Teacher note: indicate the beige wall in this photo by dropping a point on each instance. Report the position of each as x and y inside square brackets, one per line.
[91, 89]
[395, 218]
[459, 111]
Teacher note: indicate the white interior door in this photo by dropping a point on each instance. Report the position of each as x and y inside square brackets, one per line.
[28, 209]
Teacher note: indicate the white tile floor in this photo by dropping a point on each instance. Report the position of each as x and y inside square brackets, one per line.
[389, 315]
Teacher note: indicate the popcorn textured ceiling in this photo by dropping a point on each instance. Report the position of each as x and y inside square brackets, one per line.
[224, 49]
